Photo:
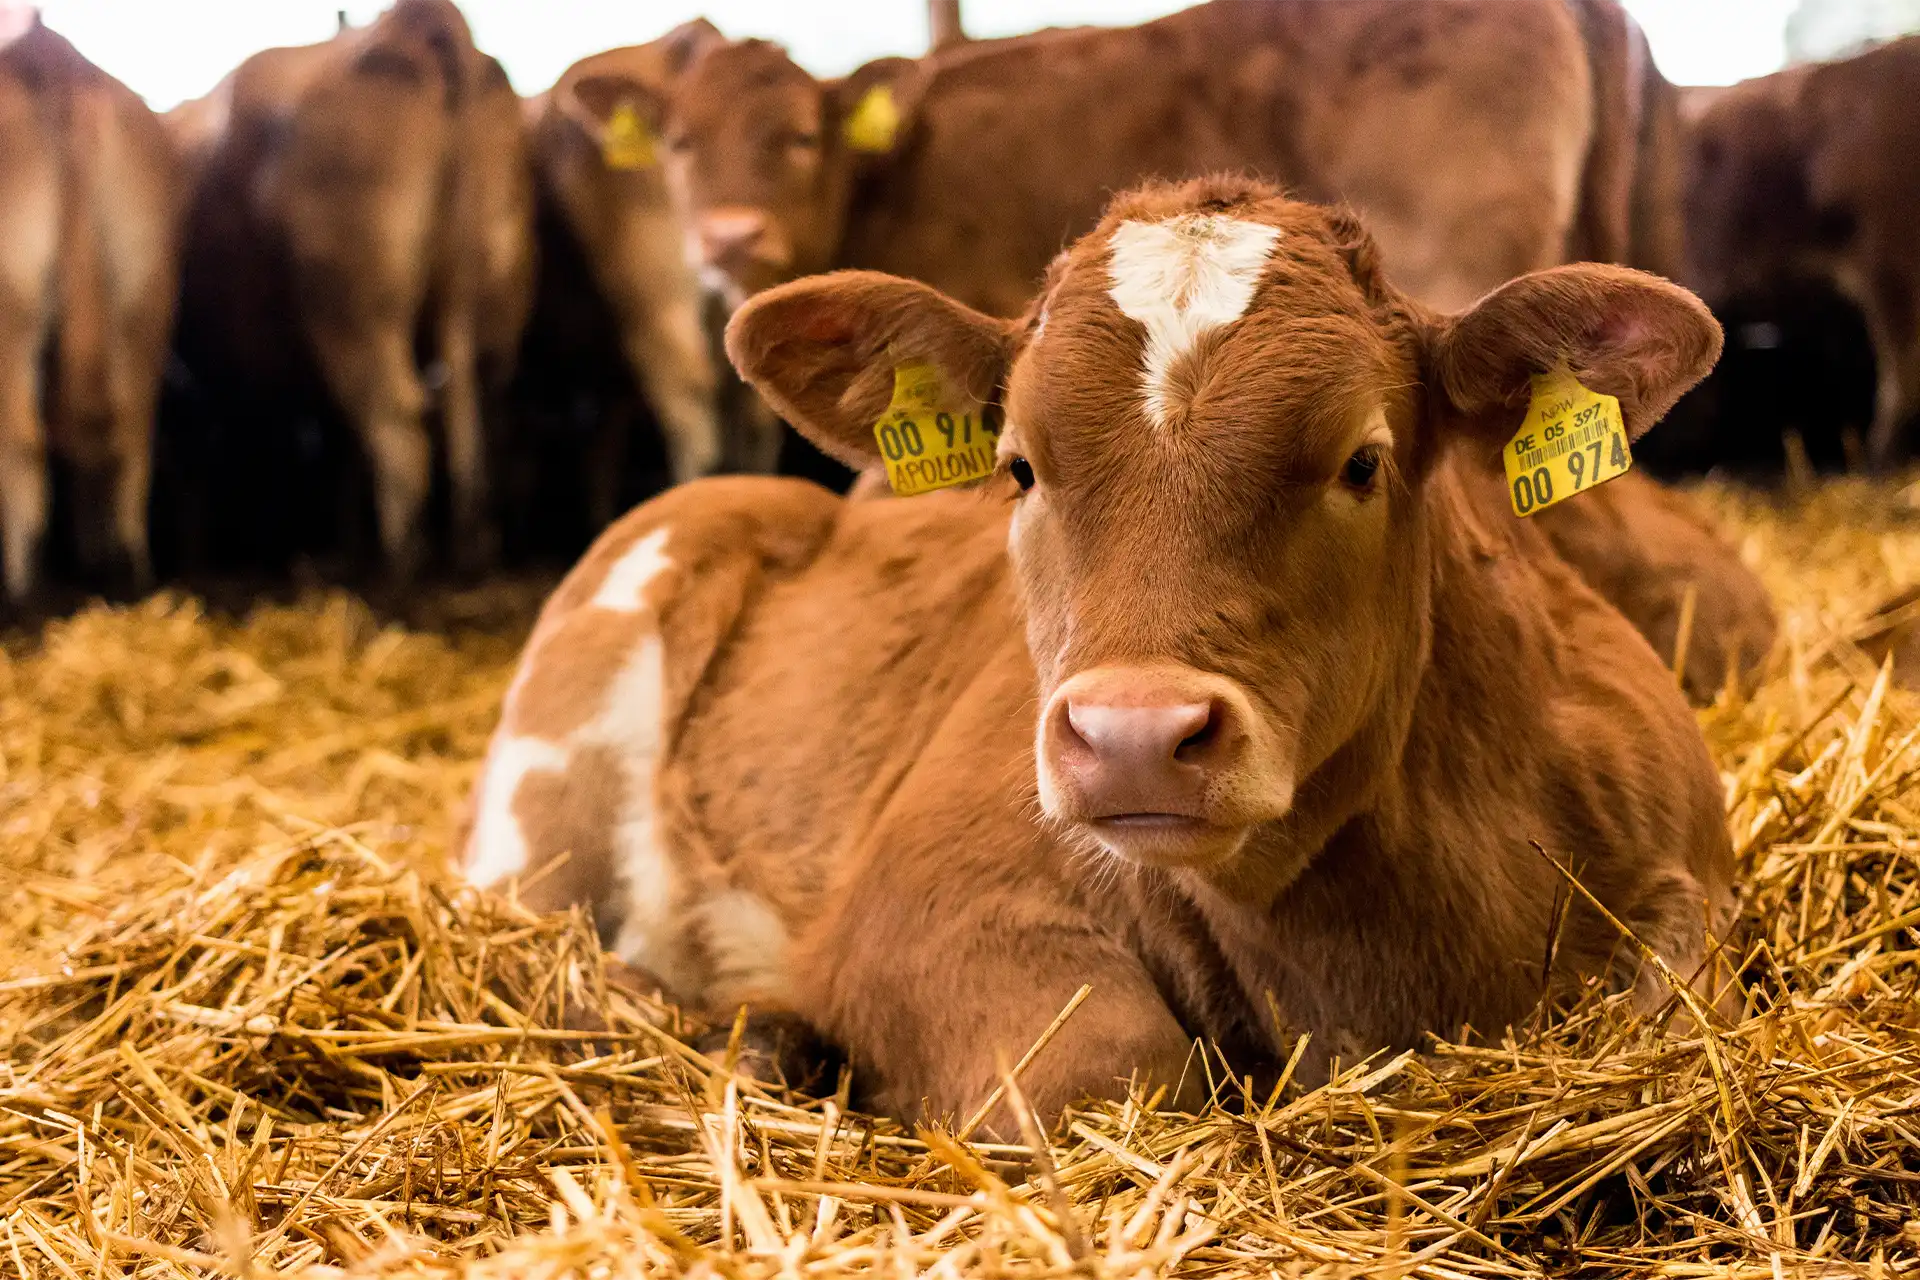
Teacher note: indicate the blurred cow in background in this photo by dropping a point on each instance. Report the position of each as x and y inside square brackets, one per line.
[375, 191]
[968, 168]
[88, 203]
[595, 145]
[1809, 174]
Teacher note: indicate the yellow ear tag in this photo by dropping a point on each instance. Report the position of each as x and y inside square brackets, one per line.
[1570, 440]
[629, 143]
[874, 122]
[927, 442]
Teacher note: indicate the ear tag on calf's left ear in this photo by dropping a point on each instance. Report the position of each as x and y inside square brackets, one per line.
[874, 122]
[927, 441]
[1570, 440]
[628, 144]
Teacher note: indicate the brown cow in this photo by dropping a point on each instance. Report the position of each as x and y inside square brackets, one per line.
[389, 168]
[88, 205]
[1236, 690]
[1480, 140]
[610, 190]
[1459, 129]
[1810, 172]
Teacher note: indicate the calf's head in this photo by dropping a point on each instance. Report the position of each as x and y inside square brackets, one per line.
[759, 163]
[1222, 445]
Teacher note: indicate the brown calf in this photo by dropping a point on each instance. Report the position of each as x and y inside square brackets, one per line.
[1811, 172]
[88, 204]
[595, 141]
[1236, 687]
[1479, 140]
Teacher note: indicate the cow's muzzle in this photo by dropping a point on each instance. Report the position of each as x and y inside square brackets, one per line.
[1164, 765]
[744, 244]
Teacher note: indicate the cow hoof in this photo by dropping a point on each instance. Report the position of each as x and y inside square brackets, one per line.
[777, 1050]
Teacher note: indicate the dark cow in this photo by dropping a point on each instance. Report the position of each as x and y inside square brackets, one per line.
[1810, 173]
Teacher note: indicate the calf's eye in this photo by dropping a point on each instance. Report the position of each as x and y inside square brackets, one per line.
[1022, 473]
[1362, 469]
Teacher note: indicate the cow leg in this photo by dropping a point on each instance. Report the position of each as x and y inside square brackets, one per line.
[1893, 322]
[371, 371]
[23, 466]
[668, 353]
[473, 548]
[930, 1047]
[135, 393]
[132, 482]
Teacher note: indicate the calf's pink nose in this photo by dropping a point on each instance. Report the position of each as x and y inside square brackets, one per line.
[1140, 736]
[1132, 743]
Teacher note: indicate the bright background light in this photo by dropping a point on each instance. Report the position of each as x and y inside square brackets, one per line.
[169, 50]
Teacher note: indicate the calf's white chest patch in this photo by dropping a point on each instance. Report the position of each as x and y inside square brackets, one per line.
[1182, 278]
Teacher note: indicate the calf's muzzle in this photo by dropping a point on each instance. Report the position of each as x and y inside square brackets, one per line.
[1156, 762]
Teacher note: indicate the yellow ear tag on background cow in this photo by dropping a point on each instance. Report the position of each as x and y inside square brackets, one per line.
[1570, 440]
[629, 143]
[874, 122]
[927, 442]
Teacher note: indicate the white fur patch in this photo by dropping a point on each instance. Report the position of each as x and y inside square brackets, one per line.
[623, 589]
[664, 920]
[1183, 278]
[643, 865]
[748, 944]
[499, 848]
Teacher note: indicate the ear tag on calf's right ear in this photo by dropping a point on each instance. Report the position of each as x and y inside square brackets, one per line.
[628, 144]
[929, 443]
[1570, 440]
[874, 122]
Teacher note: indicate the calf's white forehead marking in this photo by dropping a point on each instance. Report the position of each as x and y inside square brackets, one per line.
[1182, 278]
[625, 584]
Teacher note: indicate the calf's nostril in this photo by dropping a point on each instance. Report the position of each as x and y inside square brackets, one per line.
[1199, 743]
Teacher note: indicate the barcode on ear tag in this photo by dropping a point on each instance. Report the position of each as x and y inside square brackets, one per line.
[928, 440]
[1571, 440]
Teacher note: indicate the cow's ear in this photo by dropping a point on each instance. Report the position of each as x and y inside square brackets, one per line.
[619, 114]
[870, 112]
[823, 350]
[1622, 333]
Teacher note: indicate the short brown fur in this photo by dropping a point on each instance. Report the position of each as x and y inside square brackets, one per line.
[851, 689]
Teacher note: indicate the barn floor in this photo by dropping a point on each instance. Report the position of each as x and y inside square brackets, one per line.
[249, 1024]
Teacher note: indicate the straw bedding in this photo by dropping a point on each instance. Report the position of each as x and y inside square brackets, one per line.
[250, 1024]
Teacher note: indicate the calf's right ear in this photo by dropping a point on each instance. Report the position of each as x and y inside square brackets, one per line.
[822, 351]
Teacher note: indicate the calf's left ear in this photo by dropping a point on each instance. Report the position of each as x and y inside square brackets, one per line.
[822, 351]
[1621, 332]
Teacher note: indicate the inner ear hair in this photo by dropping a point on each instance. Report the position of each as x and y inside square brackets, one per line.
[823, 352]
[1621, 332]
[593, 99]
